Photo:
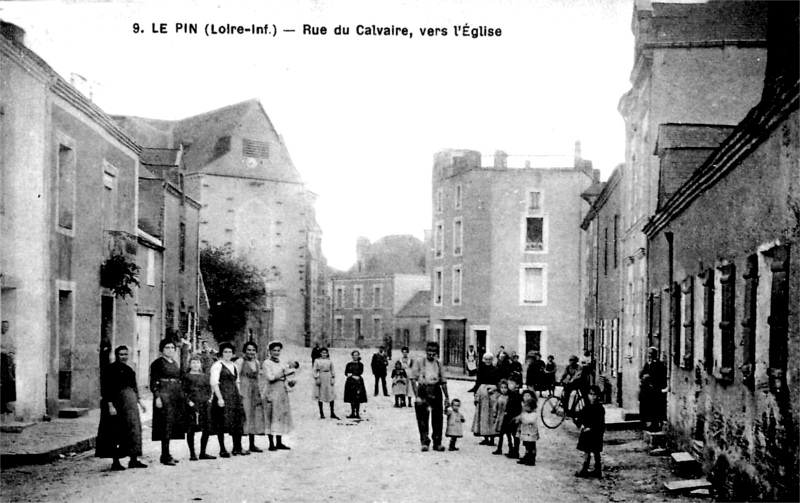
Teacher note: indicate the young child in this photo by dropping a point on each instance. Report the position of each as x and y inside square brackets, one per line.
[550, 374]
[499, 413]
[509, 426]
[399, 384]
[454, 420]
[291, 382]
[528, 430]
[197, 390]
[592, 421]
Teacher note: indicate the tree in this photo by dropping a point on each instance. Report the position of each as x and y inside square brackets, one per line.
[234, 287]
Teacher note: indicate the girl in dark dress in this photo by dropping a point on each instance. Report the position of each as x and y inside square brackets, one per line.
[227, 409]
[355, 393]
[168, 400]
[120, 431]
[197, 389]
[592, 421]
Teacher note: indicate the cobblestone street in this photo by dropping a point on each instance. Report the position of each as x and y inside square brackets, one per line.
[377, 459]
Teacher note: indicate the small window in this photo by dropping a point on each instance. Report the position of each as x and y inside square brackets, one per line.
[534, 201]
[458, 197]
[151, 267]
[439, 239]
[437, 287]
[66, 186]
[457, 277]
[533, 285]
[357, 296]
[458, 236]
[439, 202]
[376, 297]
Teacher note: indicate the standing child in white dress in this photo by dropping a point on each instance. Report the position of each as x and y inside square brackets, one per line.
[528, 431]
[454, 420]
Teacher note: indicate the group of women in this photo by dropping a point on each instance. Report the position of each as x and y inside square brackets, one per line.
[239, 398]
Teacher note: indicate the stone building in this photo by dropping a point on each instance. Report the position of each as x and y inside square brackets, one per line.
[723, 247]
[365, 301]
[693, 63]
[602, 265]
[254, 201]
[506, 261]
[170, 219]
[412, 322]
[67, 209]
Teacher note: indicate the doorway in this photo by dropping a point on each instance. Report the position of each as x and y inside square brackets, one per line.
[454, 341]
[141, 350]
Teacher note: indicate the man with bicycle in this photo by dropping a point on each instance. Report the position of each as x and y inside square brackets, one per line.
[573, 380]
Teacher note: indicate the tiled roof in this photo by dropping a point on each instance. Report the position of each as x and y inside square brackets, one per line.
[418, 307]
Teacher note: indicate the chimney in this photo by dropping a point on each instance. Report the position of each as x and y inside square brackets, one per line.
[578, 156]
[500, 159]
[12, 32]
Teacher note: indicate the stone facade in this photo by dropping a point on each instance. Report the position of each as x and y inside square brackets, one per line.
[505, 267]
[709, 70]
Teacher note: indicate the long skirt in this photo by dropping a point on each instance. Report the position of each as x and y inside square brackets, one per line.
[323, 390]
[278, 411]
[253, 407]
[168, 419]
[121, 435]
[354, 391]
[483, 420]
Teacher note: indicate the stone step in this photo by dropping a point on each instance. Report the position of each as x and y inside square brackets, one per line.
[677, 486]
[624, 425]
[685, 465]
[698, 446]
[655, 439]
[631, 415]
[72, 412]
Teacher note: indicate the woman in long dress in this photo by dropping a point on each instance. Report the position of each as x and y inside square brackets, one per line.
[277, 408]
[484, 389]
[250, 386]
[324, 380]
[227, 410]
[408, 364]
[120, 432]
[168, 400]
[355, 393]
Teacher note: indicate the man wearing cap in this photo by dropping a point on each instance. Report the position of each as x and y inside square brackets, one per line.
[430, 388]
[379, 364]
[571, 379]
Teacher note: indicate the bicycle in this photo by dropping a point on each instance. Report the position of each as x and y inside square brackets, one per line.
[553, 408]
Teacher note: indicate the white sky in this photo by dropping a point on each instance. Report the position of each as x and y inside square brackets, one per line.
[362, 116]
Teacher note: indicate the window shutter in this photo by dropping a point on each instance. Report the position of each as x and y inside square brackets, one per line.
[778, 258]
[726, 324]
[749, 320]
[708, 320]
[687, 289]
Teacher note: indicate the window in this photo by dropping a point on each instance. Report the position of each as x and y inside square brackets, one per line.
[423, 332]
[151, 267]
[687, 327]
[457, 285]
[357, 297]
[534, 234]
[376, 297]
[750, 277]
[437, 287]
[778, 320]
[439, 202]
[376, 328]
[534, 201]
[708, 320]
[727, 279]
[458, 197]
[182, 247]
[439, 239]
[109, 196]
[339, 328]
[533, 284]
[357, 327]
[66, 184]
[458, 236]
[339, 298]
[437, 333]
[616, 241]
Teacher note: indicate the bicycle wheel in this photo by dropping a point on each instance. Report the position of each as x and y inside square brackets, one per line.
[552, 412]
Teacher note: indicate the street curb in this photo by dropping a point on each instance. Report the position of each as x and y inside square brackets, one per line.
[41, 458]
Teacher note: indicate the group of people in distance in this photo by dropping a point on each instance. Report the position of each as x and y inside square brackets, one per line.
[196, 394]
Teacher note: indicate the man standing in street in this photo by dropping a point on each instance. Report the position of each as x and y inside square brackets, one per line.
[379, 364]
[430, 388]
